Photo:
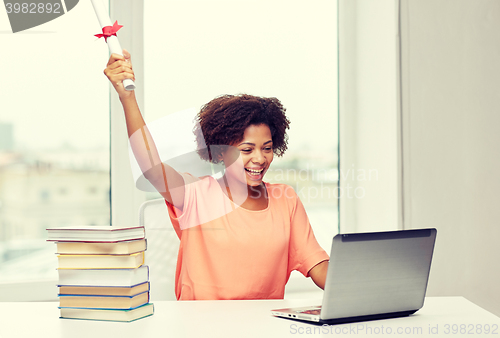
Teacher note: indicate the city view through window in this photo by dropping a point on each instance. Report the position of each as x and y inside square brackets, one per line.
[54, 139]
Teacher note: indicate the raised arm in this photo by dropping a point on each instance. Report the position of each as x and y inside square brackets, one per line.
[164, 178]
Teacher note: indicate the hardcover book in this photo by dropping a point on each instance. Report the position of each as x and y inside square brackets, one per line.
[104, 302]
[103, 290]
[103, 277]
[100, 248]
[95, 233]
[131, 261]
[108, 315]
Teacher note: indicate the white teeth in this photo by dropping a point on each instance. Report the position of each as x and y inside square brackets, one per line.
[254, 172]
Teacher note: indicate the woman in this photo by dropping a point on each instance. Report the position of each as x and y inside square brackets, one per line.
[240, 237]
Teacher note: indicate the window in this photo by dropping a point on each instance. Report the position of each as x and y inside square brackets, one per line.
[54, 116]
[286, 49]
[196, 50]
[54, 143]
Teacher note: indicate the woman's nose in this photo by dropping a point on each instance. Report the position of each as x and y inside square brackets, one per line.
[258, 157]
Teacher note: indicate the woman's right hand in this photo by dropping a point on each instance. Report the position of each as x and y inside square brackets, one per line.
[118, 69]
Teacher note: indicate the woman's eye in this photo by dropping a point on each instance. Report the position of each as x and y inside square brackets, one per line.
[268, 149]
[246, 150]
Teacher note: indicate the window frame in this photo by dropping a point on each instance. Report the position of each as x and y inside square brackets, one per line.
[125, 198]
[123, 209]
[360, 72]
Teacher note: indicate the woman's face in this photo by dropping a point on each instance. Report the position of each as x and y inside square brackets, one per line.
[256, 151]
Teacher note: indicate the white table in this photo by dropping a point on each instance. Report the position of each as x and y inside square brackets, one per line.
[237, 319]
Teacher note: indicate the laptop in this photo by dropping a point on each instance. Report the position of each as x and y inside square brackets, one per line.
[374, 275]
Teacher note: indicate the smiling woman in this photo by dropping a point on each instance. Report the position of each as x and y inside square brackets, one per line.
[263, 227]
[283, 49]
[254, 126]
[256, 151]
[255, 129]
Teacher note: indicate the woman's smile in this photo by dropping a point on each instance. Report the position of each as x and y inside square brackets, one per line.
[256, 151]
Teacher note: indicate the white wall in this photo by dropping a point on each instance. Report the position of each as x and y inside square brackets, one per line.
[369, 151]
[426, 114]
[451, 132]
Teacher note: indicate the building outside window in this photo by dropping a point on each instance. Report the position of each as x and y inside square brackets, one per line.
[54, 143]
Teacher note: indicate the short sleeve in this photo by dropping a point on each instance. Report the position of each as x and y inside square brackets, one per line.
[304, 250]
[177, 215]
[204, 201]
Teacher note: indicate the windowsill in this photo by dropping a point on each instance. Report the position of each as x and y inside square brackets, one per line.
[44, 290]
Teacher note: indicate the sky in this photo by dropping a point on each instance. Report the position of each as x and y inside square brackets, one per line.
[55, 93]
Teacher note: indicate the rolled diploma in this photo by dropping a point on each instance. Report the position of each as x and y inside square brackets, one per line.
[113, 43]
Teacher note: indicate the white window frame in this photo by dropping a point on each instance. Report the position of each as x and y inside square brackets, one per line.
[370, 114]
[125, 197]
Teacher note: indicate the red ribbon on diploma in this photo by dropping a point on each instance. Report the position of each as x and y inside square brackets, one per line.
[108, 31]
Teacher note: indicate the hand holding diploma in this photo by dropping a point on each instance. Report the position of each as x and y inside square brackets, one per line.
[119, 69]
[109, 34]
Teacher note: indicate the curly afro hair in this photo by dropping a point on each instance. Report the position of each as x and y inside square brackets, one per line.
[223, 121]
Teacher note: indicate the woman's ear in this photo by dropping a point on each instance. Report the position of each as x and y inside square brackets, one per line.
[226, 154]
[215, 153]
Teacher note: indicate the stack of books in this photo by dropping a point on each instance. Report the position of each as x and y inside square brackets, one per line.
[102, 275]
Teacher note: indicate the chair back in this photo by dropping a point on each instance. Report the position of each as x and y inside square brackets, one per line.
[162, 249]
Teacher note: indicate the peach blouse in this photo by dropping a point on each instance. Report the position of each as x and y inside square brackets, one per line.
[240, 253]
